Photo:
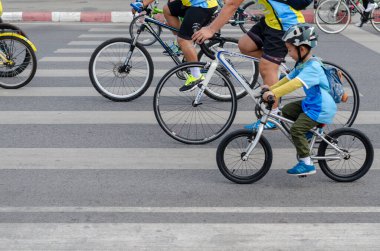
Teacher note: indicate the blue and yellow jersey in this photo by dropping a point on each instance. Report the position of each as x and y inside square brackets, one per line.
[318, 103]
[200, 3]
[280, 16]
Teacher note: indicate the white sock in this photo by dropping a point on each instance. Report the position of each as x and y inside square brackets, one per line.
[306, 160]
[275, 111]
[196, 72]
[370, 7]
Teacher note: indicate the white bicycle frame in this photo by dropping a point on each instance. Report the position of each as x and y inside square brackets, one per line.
[267, 115]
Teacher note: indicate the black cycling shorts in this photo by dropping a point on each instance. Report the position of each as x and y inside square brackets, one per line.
[270, 40]
[191, 15]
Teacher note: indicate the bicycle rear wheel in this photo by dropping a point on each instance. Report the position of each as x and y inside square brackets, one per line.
[375, 18]
[186, 122]
[113, 78]
[145, 37]
[20, 65]
[247, 69]
[231, 150]
[332, 16]
[347, 111]
[358, 161]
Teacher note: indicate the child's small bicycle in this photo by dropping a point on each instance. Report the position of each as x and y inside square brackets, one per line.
[244, 156]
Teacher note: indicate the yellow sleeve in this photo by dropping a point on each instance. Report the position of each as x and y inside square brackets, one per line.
[289, 87]
[279, 83]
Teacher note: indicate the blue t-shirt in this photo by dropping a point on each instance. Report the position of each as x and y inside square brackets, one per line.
[318, 103]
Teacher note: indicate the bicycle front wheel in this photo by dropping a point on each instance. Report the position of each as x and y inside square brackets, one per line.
[118, 77]
[358, 157]
[145, 37]
[375, 18]
[248, 69]
[184, 120]
[231, 151]
[18, 63]
[332, 16]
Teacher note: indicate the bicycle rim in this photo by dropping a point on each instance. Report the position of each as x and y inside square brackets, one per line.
[181, 120]
[332, 16]
[356, 164]
[375, 21]
[251, 14]
[230, 157]
[20, 65]
[114, 82]
[145, 38]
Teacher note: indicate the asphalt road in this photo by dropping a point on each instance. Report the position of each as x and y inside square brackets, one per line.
[98, 183]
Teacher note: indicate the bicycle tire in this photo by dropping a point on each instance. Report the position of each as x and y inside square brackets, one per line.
[16, 74]
[4, 27]
[375, 18]
[230, 174]
[194, 126]
[146, 42]
[240, 17]
[240, 92]
[124, 76]
[318, 16]
[347, 177]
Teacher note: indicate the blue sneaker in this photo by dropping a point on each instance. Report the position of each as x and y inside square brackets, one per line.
[254, 126]
[302, 169]
[309, 135]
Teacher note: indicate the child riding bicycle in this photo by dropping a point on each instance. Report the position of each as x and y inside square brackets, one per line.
[318, 107]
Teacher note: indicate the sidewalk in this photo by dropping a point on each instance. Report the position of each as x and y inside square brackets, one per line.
[116, 11]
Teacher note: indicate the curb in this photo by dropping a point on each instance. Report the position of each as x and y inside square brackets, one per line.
[100, 17]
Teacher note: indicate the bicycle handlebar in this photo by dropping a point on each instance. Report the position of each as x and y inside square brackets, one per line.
[204, 48]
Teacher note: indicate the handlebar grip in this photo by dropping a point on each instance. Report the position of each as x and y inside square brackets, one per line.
[271, 99]
[204, 48]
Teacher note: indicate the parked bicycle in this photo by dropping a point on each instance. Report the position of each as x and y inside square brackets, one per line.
[245, 17]
[18, 63]
[121, 69]
[244, 156]
[333, 16]
[200, 116]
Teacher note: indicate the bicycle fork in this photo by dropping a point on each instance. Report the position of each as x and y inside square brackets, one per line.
[203, 85]
[259, 132]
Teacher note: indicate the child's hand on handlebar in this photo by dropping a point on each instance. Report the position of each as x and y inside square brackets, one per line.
[268, 94]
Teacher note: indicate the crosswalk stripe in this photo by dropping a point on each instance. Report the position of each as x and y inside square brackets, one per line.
[190, 236]
[365, 38]
[75, 92]
[84, 73]
[243, 210]
[129, 159]
[103, 59]
[85, 42]
[139, 117]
